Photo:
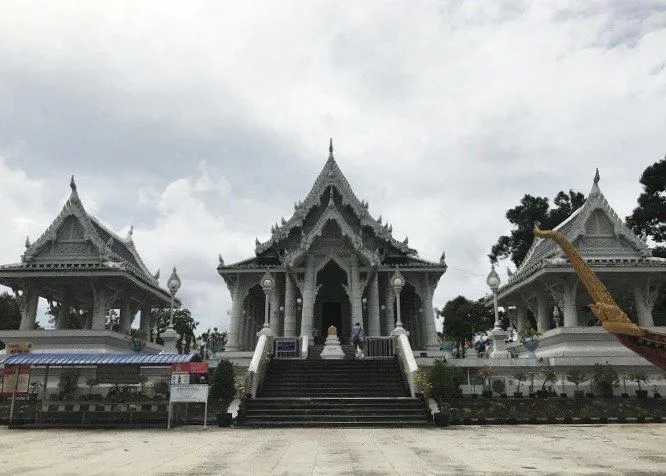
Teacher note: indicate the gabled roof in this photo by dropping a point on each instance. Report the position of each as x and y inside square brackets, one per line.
[106, 248]
[613, 241]
[332, 176]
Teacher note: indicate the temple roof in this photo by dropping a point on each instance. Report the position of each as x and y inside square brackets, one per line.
[332, 176]
[331, 199]
[598, 232]
[76, 240]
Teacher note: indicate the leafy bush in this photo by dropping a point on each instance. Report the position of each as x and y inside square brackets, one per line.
[223, 389]
[604, 379]
[422, 382]
[445, 381]
[499, 387]
[69, 382]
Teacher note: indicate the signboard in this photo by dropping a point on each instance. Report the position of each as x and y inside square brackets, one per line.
[15, 380]
[180, 379]
[188, 394]
[18, 348]
[286, 346]
[199, 368]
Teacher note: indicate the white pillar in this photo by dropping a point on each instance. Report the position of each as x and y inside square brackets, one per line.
[233, 339]
[356, 293]
[521, 318]
[645, 297]
[125, 320]
[101, 301]
[542, 315]
[289, 307]
[373, 306]
[564, 294]
[28, 302]
[145, 323]
[431, 339]
[276, 325]
[389, 299]
[308, 298]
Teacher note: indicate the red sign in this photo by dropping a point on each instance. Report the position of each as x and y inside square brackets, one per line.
[15, 382]
[197, 368]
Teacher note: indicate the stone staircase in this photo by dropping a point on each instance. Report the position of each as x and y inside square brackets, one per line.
[318, 392]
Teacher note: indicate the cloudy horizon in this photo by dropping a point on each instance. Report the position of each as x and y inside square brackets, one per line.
[202, 124]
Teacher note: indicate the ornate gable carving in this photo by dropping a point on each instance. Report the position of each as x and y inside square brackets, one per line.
[332, 176]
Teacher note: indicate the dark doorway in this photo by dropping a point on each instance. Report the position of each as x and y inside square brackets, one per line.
[331, 316]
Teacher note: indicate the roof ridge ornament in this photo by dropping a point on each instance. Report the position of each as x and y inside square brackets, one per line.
[27, 242]
[130, 235]
[595, 185]
[330, 149]
[72, 184]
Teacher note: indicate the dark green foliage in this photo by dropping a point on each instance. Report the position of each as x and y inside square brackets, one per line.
[524, 216]
[69, 382]
[223, 389]
[445, 381]
[649, 217]
[604, 380]
[498, 386]
[10, 316]
[183, 323]
[462, 318]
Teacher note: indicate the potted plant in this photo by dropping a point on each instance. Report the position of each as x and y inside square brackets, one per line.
[529, 339]
[520, 377]
[223, 391]
[486, 373]
[604, 379]
[639, 377]
[549, 376]
[576, 377]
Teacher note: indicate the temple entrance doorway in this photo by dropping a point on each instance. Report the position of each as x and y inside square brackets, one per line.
[332, 305]
[331, 315]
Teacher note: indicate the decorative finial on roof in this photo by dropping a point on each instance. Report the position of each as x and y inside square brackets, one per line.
[406, 241]
[130, 233]
[595, 185]
[72, 184]
[330, 148]
[27, 242]
[256, 242]
[442, 259]
[221, 260]
[157, 274]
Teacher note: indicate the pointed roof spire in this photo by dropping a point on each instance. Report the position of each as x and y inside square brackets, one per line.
[72, 184]
[595, 186]
[130, 233]
[330, 148]
[27, 242]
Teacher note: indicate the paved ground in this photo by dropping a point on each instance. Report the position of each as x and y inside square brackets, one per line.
[584, 449]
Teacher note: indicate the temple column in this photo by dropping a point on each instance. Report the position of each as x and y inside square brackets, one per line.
[373, 306]
[62, 320]
[564, 295]
[645, 297]
[233, 339]
[521, 319]
[542, 315]
[389, 300]
[144, 323]
[355, 293]
[289, 307]
[431, 339]
[308, 299]
[27, 301]
[125, 320]
[276, 325]
[102, 299]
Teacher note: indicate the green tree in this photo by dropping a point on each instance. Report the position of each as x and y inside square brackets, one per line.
[212, 341]
[649, 217]
[183, 324]
[10, 315]
[223, 389]
[462, 318]
[524, 216]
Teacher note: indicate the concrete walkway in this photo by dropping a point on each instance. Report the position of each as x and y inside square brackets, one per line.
[584, 449]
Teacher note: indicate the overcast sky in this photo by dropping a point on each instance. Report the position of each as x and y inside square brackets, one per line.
[201, 123]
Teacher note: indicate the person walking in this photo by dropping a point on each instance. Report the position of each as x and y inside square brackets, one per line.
[358, 340]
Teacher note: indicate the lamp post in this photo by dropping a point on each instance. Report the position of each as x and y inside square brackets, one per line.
[170, 336]
[267, 284]
[493, 281]
[497, 335]
[398, 282]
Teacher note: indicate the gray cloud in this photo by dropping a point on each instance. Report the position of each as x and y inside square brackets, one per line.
[201, 124]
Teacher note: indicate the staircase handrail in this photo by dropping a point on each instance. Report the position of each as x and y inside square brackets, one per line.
[305, 343]
[408, 365]
[259, 364]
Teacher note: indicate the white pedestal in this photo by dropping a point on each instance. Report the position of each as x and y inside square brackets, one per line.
[332, 348]
[499, 350]
[169, 337]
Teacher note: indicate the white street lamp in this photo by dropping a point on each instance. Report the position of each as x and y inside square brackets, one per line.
[267, 285]
[398, 282]
[493, 281]
[174, 285]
